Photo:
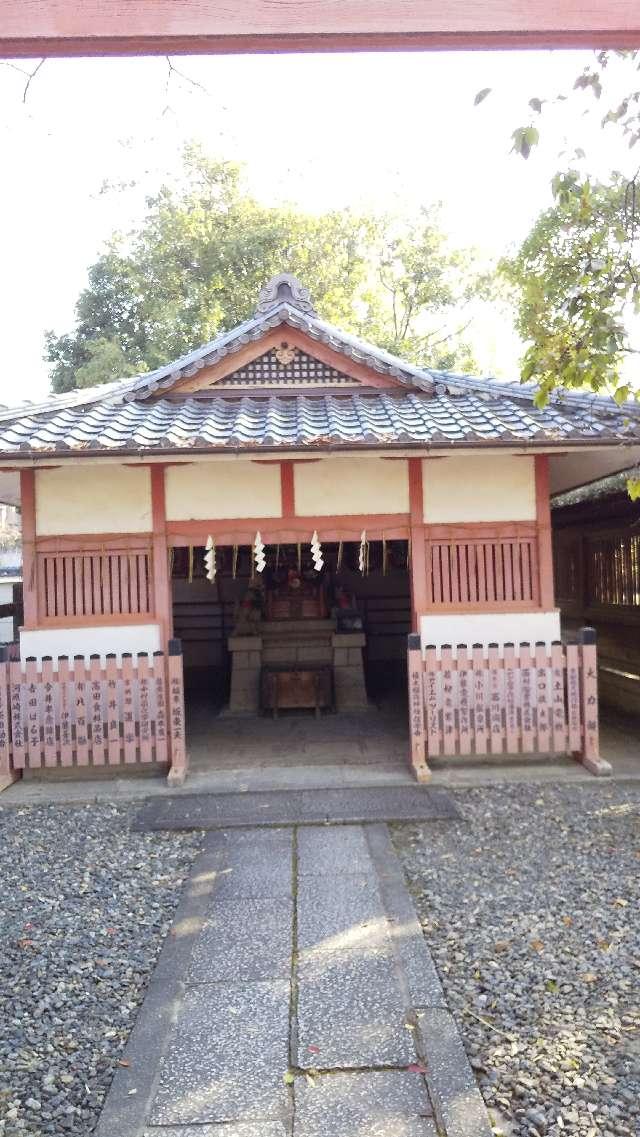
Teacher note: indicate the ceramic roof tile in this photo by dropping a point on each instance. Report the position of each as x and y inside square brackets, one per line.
[429, 407]
[296, 421]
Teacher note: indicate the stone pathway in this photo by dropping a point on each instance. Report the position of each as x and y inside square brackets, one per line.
[295, 997]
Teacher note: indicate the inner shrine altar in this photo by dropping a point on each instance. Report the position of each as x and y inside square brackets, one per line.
[287, 652]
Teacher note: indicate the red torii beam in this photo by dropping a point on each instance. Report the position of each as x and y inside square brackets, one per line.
[34, 28]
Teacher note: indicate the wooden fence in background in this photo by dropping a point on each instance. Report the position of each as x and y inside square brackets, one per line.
[477, 701]
[60, 714]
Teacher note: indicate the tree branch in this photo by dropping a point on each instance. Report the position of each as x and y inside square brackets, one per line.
[30, 74]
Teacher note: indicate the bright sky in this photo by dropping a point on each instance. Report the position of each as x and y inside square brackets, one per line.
[388, 131]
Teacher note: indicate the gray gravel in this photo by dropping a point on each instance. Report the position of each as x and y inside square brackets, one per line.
[84, 907]
[530, 906]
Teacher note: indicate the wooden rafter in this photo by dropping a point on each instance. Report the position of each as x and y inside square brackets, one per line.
[161, 27]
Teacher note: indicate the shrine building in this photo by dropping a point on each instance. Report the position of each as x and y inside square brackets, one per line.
[291, 503]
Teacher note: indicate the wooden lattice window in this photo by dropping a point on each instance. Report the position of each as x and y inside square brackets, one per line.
[86, 585]
[474, 572]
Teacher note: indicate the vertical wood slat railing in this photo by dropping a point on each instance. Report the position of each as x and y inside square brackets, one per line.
[97, 583]
[79, 713]
[482, 571]
[539, 699]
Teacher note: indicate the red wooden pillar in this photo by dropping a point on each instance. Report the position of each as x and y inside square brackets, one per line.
[287, 489]
[417, 532]
[162, 604]
[29, 581]
[546, 597]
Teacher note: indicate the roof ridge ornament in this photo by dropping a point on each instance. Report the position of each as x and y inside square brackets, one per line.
[285, 287]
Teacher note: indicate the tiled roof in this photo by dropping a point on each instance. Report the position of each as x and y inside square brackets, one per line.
[602, 488]
[430, 408]
[351, 419]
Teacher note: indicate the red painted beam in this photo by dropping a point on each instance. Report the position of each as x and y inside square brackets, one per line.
[158, 27]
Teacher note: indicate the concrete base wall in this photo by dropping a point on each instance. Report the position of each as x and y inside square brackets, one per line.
[114, 638]
[490, 627]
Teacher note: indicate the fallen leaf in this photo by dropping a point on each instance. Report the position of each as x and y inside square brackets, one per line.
[416, 1068]
[288, 1078]
[123, 1062]
[25, 943]
[620, 903]
[310, 1079]
[604, 945]
[501, 945]
[537, 945]
[567, 920]
[589, 977]
[313, 1049]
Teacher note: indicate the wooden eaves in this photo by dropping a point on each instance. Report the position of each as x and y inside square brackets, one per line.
[36, 28]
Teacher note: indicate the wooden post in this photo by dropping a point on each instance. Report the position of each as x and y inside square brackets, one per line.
[162, 604]
[590, 756]
[28, 513]
[417, 733]
[178, 749]
[418, 535]
[543, 522]
[7, 772]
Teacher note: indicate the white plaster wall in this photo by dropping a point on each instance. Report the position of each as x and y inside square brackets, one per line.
[351, 485]
[223, 489]
[479, 487]
[90, 641]
[83, 498]
[490, 627]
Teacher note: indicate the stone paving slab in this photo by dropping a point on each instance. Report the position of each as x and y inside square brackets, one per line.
[298, 807]
[355, 1017]
[382, 1104]
[227, 1056]
[458, 1102]
[244, 940]
[416, 962]
[251, 1129]
[340, 919]
[270, 880]
[242, 847]
[326, 851]
[231, 1007]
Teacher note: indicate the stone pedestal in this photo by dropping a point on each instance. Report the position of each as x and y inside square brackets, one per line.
[297, 642]
[348, 671]
[246, 661]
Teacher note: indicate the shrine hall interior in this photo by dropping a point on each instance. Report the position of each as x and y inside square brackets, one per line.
[375, 601]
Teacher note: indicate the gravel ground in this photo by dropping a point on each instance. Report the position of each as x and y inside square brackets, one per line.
[530, 906]
[84, 907]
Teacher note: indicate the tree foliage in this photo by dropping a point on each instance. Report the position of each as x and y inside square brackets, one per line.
[576, 275]
[195, 264]
[577, 281]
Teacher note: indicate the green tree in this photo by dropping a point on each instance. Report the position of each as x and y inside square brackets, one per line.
[576, 281]
[576, 275]
[195, 264]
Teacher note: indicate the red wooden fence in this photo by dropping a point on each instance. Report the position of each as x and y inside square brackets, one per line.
[88, 713]
[476, 701]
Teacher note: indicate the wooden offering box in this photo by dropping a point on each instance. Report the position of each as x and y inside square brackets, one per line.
[288, 688]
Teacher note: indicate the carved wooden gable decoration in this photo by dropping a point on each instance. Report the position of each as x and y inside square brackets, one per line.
[284, 347]
[285, 360]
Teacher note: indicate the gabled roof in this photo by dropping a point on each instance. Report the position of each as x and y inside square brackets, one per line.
[423, 407]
